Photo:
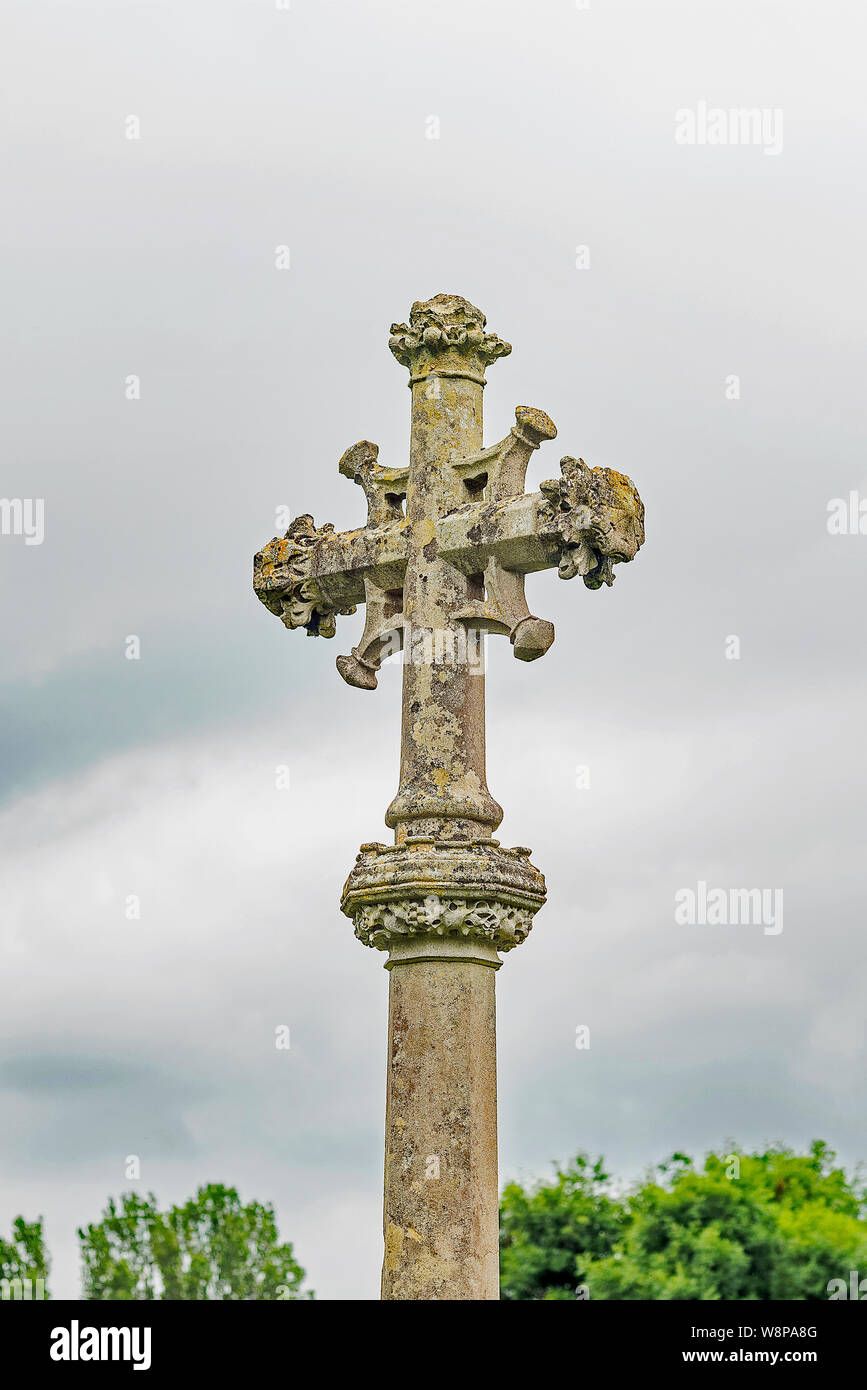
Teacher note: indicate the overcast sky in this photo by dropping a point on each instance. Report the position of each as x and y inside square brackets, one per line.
[154, 257]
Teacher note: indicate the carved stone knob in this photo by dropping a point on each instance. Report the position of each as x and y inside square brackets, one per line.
[356, 672]
[531, 638]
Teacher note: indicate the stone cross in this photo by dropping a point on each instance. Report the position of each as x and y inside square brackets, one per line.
[441, 561]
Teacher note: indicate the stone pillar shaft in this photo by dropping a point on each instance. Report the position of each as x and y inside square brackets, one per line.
[443, 791]
[440, 1220]
[440, 1205]
[444, 899]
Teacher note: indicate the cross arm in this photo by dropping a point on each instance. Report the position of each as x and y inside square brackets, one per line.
[501, 469]
[384, 488]
[312, 574]
[583, 522]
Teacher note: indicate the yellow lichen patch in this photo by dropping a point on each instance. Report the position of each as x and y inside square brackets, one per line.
[438, 731]
[393, 1245]
[468, 785]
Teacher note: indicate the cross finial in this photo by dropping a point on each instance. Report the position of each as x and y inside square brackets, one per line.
[446, 335]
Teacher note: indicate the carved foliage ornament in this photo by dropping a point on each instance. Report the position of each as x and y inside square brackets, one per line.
[282, 579]
[599, 517]
[445, 325]
[503, 925]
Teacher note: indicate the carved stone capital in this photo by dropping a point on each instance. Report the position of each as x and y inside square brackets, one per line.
[382, 924]
[470, 889]
[599, 518]
[446, 336]
[283, 579]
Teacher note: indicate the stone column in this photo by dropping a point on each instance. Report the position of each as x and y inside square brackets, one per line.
[443, 790]
[445, 898]
[440, 1216]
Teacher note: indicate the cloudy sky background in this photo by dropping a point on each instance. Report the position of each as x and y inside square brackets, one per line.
[262, 127]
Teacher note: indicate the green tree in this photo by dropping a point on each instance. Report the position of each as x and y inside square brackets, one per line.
[210, 1248]
[549, 1235]
[745, 1227]
[23, 1257]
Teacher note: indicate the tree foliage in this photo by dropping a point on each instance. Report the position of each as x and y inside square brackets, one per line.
[210, 1248]
[551, 1234]
[743, 1226]
[24, 1256]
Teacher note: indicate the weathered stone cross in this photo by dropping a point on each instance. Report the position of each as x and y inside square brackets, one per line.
[442, 560]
